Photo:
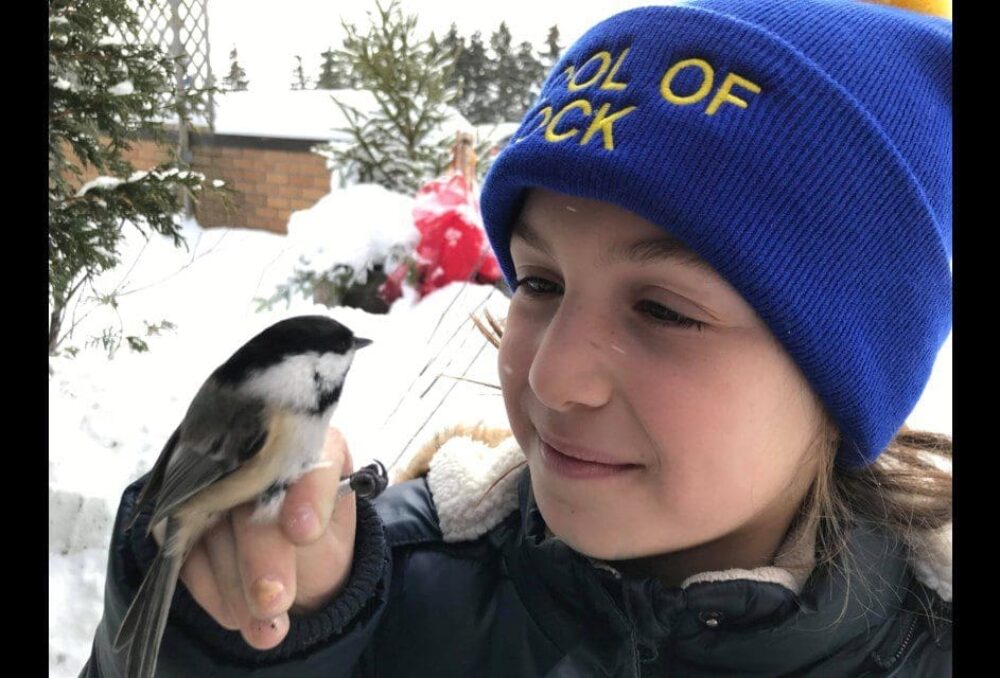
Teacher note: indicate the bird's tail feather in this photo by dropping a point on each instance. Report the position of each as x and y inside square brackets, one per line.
[142, 629]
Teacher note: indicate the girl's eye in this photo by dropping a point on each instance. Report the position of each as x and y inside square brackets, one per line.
[658, 314]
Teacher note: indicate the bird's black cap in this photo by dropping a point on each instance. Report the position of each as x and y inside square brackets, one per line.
[294, 336]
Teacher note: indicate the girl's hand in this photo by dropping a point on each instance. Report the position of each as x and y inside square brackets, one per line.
[249, 577]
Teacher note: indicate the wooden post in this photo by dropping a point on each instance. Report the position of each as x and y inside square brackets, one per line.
[463, 157]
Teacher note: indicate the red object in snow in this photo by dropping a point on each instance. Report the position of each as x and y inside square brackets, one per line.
[453, 244]
[392, 288]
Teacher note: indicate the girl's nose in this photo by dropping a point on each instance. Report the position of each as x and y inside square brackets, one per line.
[570, 366]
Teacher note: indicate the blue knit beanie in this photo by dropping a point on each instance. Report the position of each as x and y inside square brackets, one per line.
[800, 147]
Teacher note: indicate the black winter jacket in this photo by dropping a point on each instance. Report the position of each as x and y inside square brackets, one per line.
[444, 584]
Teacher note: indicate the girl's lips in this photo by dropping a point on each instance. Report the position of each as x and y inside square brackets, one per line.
[581, 453]
[571, 467]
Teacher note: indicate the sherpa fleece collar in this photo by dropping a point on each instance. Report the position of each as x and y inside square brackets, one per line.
[463, 469]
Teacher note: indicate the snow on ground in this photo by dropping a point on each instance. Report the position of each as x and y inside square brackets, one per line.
[369, 235]
[108, 418]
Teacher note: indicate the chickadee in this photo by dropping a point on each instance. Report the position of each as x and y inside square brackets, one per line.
[257, 424]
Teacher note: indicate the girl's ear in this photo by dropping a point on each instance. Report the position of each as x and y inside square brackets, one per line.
[420, 463]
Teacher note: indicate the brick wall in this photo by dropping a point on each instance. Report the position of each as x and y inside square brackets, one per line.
[143, 155]
[272, 177]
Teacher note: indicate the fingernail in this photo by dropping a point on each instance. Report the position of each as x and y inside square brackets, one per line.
[304, 523]
[267, 591]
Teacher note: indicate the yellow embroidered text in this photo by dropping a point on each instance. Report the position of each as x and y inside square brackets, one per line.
[723, 95]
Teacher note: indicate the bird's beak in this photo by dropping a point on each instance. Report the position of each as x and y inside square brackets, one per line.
[361, 342]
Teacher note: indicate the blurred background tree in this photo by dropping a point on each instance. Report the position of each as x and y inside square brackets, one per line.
[553, 49]
[106, 92]
[236, 80]
[334, 72]
[396, 145]
[299, 75]
[497, 83]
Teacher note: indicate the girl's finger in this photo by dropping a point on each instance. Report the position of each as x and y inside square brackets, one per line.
[200, 581]
[220, 544]
[324, 566]
[266, 564]
[311, 500]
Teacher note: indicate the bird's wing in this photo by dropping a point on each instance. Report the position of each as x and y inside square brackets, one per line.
[221, 431]
[152, 485]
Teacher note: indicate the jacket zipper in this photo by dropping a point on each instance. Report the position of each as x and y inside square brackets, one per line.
[637, 665]
[885, 664]
[626, 622]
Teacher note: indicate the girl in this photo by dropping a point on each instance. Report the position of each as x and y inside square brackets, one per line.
[727, 227]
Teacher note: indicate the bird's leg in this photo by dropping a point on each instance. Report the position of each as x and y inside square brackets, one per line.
[269, 503]
[270, 500]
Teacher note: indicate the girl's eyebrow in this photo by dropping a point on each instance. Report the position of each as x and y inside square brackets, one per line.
[645, 251]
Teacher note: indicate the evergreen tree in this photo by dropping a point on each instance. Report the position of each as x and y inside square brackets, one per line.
[513, 77]
[332, 75]
[392, 146]
[477, 100]
[454, 45]
[433, 46]
[553, 50]
[103, 93]
[530, 74]
[236, 81]
[497, 84]
[299, 75]
[506, 81]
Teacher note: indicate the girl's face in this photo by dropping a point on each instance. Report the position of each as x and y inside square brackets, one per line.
[658, 364]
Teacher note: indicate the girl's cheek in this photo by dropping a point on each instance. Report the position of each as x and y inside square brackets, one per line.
[513, 365]
[515, 345]
[514, 359]
[527, 323]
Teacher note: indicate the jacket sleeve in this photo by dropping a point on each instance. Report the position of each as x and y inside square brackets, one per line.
[328, 643]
